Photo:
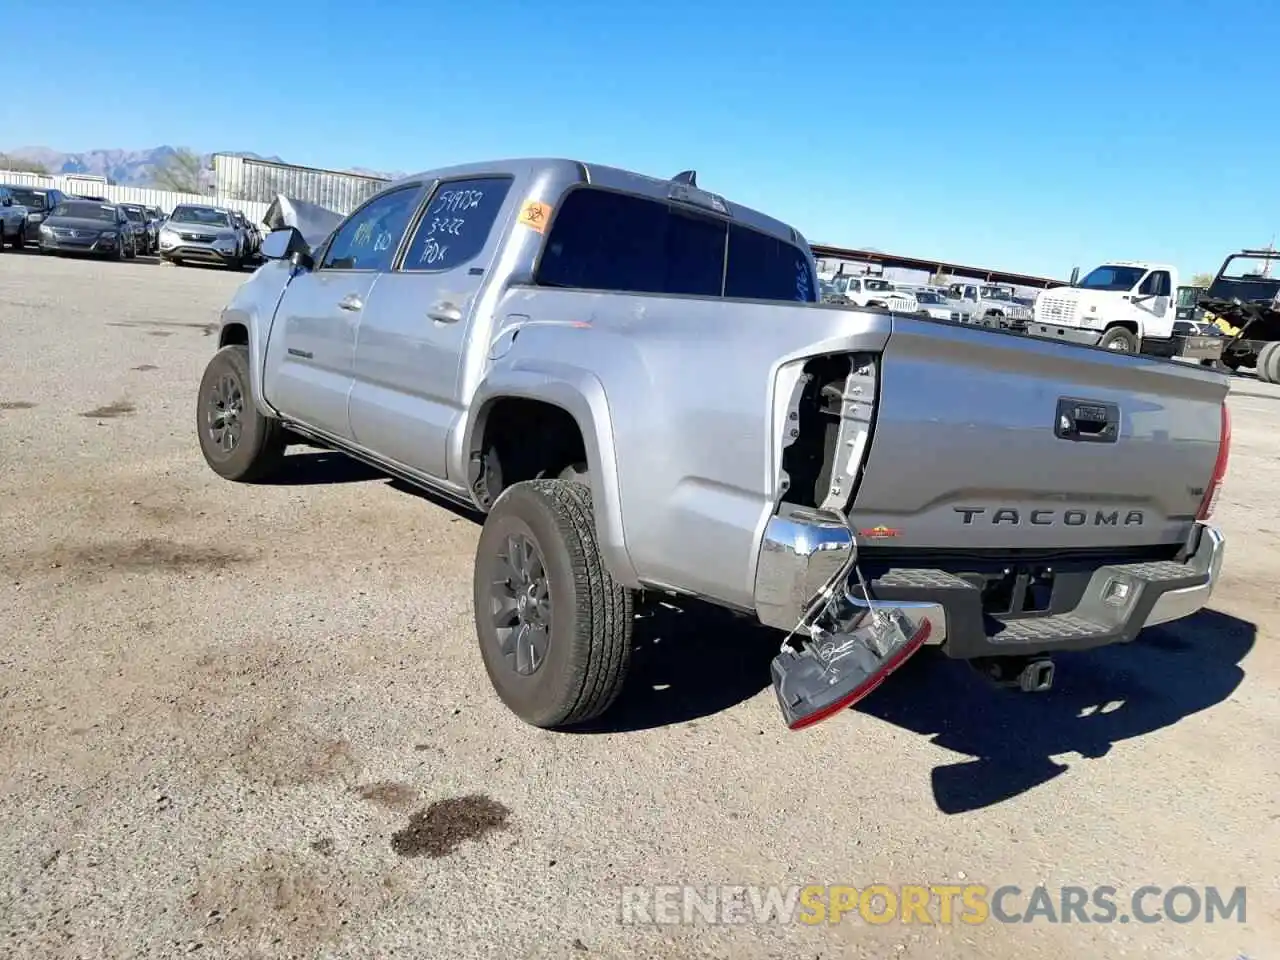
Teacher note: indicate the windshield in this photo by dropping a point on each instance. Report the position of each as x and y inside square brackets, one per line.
[877, 285]
[207, 216]
[927, 296]
[85, 210]
[1112, 278]
[995, 293]
[28, 198]
[133, 213]
[840, 284]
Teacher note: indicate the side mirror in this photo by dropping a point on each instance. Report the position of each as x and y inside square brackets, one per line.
[287, 243]
[1075, 276]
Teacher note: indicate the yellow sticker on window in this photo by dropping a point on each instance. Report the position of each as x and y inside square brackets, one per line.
[535, 215]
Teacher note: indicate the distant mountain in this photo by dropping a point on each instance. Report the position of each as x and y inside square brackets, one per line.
[125, 167]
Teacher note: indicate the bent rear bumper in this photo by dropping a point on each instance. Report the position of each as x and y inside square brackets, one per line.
[803, 554]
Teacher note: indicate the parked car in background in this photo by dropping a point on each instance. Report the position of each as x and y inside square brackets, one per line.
[38, 201]
[142, 235]
[866, 291]
[201, 233]
[935, 305]
[84, 226]
[248, 234]
[988, 305]
[13, 220]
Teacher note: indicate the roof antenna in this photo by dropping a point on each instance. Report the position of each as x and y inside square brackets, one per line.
[686, 176]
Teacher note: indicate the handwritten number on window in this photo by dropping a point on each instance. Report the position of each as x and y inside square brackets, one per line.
[457, 201]
[432, 252]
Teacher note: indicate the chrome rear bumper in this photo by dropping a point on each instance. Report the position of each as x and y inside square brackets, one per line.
[801, 554]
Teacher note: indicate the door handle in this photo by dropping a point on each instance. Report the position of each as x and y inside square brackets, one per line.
[1088, 421]
[445, 312]
[351, 302]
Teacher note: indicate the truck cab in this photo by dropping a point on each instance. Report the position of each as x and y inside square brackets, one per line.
[1116, 305]
[1126, 306]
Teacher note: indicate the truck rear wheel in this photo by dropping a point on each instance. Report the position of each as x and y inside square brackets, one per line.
[237, 441]
[1268, 364]
[553, 625]
[1120, 339]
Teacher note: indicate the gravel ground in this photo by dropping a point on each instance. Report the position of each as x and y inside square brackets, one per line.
[252, 722]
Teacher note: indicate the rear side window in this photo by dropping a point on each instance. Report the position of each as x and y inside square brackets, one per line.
[601, 240]
[456, 224]
[762, 267]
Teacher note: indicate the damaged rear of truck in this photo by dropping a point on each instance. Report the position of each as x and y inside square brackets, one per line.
[1002, 497]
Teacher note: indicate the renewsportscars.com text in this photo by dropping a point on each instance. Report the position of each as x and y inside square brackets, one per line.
[930, 904]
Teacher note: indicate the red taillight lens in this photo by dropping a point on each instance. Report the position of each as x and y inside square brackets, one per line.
[871, 682]
[1219, 469]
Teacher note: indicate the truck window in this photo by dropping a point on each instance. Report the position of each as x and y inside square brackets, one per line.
[456, 223]
[762, 267]
[1157, 284]
[603, 240]
[370, 236]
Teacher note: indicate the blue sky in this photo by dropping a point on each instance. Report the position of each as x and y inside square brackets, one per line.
[1031, 137]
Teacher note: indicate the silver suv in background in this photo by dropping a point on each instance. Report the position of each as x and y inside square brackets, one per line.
[206, 234]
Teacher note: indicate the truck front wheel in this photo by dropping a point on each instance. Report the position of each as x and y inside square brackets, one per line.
[553, 625]
[237, 441]
[1120, 339]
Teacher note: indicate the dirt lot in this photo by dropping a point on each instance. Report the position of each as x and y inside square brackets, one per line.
[252, 721]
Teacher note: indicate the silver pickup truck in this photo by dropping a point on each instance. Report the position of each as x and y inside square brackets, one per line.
[632, 379]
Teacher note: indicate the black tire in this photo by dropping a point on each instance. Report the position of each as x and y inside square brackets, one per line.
[256, 448]
[20, 241]
[2, 236]
[588, 618]
[1268, 365]
[177, 261]
[120, 252]
[1120, 340]
[1231, 363]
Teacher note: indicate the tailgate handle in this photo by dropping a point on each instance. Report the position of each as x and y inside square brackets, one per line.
[1087, 421]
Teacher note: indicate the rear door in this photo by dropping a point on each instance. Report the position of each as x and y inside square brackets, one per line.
[311, 351]
[970, 449]
[406, 397]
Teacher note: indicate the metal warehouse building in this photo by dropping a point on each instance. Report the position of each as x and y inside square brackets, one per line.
[243, 178]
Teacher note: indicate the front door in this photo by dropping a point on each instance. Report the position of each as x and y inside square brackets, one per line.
[406, 398]
[311, 351]
[313, 343]
[1153, 304]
